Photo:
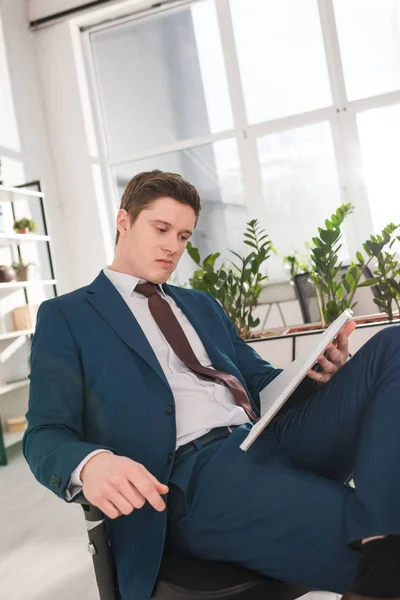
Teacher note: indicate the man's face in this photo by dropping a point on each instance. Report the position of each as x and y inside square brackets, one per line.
[151, 248]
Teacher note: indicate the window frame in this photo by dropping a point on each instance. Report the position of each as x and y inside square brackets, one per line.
[342, 116]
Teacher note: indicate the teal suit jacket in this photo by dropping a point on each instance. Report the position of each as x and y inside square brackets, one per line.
[96, 383]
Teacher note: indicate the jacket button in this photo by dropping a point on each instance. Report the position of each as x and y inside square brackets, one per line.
[55, 481]
[170, 457]
[169, 409]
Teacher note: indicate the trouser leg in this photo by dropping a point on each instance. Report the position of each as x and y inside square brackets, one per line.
[352, 426]
[256, 510]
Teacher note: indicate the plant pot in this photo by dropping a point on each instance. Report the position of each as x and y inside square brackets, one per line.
[308, 327]
[24, 230]
[7, 274]
[23, 273]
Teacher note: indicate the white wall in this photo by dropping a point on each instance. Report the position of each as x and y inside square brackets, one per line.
[49, 77]
[51, 137]
[82, 182]
[24, 142]
[77, 165]
[74, 156]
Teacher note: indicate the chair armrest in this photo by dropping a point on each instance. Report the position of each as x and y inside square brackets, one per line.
[99, 549]
[92, 513]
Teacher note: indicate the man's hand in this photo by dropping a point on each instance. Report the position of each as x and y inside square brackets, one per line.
[117, 485]
[335, 356]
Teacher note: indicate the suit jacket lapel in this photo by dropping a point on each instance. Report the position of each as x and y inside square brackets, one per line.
[113, 308]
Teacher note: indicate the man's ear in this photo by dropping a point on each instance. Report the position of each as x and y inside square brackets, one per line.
[122, 222]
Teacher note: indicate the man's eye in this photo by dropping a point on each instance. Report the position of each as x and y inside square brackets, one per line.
[184, 239]
[161, 230]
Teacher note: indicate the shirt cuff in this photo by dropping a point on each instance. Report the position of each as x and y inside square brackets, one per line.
[75, 482]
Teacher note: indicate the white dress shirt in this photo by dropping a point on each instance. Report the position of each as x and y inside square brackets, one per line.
[200, 405]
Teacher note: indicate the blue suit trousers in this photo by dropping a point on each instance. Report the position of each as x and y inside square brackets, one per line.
[283, 508]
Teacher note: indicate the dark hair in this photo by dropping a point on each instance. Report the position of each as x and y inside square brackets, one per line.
[148, 186]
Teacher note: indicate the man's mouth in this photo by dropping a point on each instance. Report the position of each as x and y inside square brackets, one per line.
[164, 261]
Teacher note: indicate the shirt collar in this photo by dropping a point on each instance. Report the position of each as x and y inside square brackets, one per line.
[126, 284]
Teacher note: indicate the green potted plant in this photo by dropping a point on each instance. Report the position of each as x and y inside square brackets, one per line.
[236, 286]
[386, 273]
[335, 291]
[22, 270]
[24, 225]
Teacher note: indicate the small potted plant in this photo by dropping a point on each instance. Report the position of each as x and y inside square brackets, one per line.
[386, 274]
[22, 270]
[24, 226]
[237, 287]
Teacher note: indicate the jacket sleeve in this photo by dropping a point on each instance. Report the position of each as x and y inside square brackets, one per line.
[53, 444]
[256, 371]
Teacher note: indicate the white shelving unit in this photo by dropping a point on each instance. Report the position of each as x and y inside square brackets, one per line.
[25, 284]
[23, 237]
[15, 334]
[15, 385]
[19, 202]
[20, 190]
[10, 439]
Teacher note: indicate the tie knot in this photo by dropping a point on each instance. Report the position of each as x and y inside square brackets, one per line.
[147, 289]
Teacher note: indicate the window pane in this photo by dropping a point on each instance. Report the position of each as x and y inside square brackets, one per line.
[369, 36]
[380, 147]
[162, 79]
[215, 170]
[300, 188]
[281, 57]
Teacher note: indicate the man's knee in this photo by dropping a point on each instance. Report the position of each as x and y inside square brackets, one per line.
[390, 332]
[388, 337]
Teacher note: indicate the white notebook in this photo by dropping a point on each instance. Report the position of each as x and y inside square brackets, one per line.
[278, 391]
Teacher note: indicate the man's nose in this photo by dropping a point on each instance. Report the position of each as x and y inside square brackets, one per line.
[171, 245]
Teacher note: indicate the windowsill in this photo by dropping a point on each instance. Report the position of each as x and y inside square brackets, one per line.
[365, 321]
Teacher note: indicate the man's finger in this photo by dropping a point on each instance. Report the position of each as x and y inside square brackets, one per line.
[121, 503]
[326, 364]
[342, 339]
[336, 356]
[109, 509]
[162, 488]
[148, 490]
[349, 328]
[133, 495]
[320, 377]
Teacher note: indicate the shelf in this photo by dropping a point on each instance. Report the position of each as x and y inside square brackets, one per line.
[29, 202]
[24, 237]
[19, 191]
[10, 387]
[10, 439]
[24, 284]
[14, 334]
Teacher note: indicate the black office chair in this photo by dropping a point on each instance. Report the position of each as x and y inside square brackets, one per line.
[183, 578]
[307, 296]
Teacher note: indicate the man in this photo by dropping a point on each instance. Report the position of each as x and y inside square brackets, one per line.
[141, 392]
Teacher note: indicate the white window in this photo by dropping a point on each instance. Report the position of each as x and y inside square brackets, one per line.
[275, 110]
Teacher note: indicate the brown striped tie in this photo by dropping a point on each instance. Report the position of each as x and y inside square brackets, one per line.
[176, 338]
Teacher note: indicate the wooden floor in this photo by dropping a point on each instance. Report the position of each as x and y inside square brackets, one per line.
[43, 542]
